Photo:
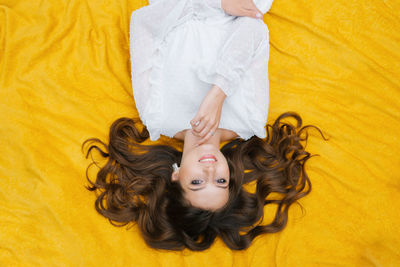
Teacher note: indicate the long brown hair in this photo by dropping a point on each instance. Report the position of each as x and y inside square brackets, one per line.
[135, 186]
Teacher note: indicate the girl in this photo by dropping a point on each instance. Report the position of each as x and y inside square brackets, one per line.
[200, 75]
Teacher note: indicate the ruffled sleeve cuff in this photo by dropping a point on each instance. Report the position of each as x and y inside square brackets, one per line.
[220, 75]
[222, 83]
[226, 79]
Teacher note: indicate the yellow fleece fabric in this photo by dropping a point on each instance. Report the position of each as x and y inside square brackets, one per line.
[65, 77]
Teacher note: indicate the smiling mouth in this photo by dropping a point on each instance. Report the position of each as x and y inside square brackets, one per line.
[208, 158]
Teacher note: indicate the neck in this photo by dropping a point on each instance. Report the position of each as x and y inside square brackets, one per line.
[190, 140]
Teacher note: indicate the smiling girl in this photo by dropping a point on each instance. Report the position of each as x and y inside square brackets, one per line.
[200, 75]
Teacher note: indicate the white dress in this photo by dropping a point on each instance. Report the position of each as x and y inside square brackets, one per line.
[180, 48]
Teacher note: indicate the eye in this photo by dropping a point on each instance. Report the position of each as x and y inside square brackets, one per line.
[221, 181]
[196, 181]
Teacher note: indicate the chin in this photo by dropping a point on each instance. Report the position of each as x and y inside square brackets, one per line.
[207, 147]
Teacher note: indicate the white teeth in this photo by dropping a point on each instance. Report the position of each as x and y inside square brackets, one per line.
[207, 160]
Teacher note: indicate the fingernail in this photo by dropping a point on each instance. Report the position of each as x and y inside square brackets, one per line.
[197, 123]
[259, 15]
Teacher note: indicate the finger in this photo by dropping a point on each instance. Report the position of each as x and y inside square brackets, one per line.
[211, 130]
[254, 13]
[214, 130]
[199, 128]
[208, 136]
[205, 130]
[210, 127]
[195, 128]
[205, 138]
[195, 133]
[195, 121]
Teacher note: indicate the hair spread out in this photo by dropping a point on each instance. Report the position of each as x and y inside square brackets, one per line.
[135, 186]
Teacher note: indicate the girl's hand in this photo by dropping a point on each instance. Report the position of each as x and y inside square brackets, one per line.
[241, 8]
[206, 121]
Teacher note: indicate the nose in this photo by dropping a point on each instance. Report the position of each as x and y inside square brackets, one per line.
[209, 170]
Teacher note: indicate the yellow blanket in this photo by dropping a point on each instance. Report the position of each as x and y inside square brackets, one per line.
[65, 77]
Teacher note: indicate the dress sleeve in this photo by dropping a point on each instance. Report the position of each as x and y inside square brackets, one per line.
[245, 37]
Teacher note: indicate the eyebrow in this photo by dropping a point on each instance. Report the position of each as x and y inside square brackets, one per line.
[197, 189]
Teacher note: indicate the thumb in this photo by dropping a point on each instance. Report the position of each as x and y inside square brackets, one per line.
[253, 10]
[254, 13]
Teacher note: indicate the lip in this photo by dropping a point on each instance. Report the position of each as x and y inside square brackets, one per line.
[208, 156]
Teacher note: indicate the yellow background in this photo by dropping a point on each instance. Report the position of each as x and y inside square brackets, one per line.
[65, 77]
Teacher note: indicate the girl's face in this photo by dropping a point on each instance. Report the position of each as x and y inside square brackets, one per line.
[204, 176]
